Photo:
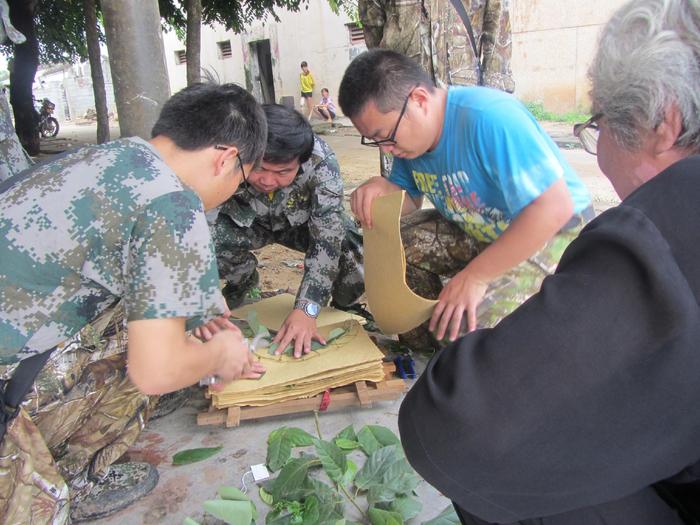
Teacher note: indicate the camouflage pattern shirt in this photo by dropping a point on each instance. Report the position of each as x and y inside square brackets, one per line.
[432, 33]
[100, 223]
[315, 197]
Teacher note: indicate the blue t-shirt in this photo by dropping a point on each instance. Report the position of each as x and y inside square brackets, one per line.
[492, 160]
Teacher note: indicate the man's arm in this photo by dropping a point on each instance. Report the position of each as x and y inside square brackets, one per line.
[362, 198]
[163, 358]
[568, 402]
[530, 230]
[326, 234]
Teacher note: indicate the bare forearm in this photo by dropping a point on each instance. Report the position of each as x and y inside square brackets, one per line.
[162, 362]
[528, 233]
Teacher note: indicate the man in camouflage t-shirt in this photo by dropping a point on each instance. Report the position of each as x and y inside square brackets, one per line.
[295, 199]
[125, 221]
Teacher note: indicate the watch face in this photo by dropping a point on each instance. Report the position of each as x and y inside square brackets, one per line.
[312, 309]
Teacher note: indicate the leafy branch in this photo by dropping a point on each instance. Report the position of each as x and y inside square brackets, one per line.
[297, 497]
[385, 479]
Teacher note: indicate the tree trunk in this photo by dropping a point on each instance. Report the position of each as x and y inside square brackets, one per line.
[22, 72]
[194, 40]
[98, 81]
[137, 61]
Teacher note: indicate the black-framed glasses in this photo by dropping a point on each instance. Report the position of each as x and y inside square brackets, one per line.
[221, 147]
[587, 132]
[391, 140]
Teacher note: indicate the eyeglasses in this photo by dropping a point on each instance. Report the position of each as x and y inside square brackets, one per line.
[391, 140]
[221, 147]
[587, 132]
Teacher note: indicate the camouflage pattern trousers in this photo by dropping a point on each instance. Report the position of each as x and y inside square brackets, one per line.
[238, 265]
[437, 249]
[82, 414]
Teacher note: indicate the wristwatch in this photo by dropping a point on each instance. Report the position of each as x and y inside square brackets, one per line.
[309, 308]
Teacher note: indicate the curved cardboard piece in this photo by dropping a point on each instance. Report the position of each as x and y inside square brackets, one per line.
[395, 307]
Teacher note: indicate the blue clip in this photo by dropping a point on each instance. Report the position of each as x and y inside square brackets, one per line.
[404, 367]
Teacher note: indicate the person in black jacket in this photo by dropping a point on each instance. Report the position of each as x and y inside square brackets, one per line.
[581, 407]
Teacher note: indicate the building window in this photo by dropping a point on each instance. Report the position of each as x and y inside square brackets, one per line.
[224, 49]
[180, 56]
[357, 35]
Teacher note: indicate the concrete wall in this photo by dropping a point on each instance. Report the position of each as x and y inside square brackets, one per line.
[553, 45]
[316, 35]
[71, 90]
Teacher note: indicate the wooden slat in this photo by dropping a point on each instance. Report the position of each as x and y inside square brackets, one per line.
[361, 388]
[359, 394]
[233, 417]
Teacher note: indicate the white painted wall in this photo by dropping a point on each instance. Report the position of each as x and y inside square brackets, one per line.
[316, 35]
[553, 44]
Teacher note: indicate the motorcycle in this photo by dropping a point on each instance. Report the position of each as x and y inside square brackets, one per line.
[48, 125]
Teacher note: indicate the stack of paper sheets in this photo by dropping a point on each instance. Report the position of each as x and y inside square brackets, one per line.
[350, 358]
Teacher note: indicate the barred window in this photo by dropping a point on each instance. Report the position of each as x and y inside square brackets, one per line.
[357, 35]
[180, 56]
[224, 49]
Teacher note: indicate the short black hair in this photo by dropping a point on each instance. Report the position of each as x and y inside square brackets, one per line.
[304, 64]
[289, 135]
[381, 75]
[207, 114]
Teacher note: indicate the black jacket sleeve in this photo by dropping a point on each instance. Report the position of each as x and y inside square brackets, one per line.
[586, 393]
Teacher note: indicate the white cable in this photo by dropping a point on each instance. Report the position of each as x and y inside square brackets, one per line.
[244, 488]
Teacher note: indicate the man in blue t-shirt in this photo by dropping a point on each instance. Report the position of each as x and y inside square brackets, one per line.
[508, 202]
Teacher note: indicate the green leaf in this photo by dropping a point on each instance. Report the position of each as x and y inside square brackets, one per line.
[280, 443]
[253, 321]
[347, 433]
[447, 517]
[325, 494]
[232, 493]
[275, 518]
[372, 472]
[312, 507]
[335, 334]
[384, 517]
[233, 512]
[407, 506]
[332, 458]
[346, 444]
[189, 521]
[193, 455]
[349, 475]
[374, 437]
[380, 494]
[290, 484]
[265, 496]
[287, 351]
[400, 477]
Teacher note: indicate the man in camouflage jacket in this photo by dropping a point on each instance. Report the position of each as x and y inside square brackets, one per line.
[117, 222]
[295, 199]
